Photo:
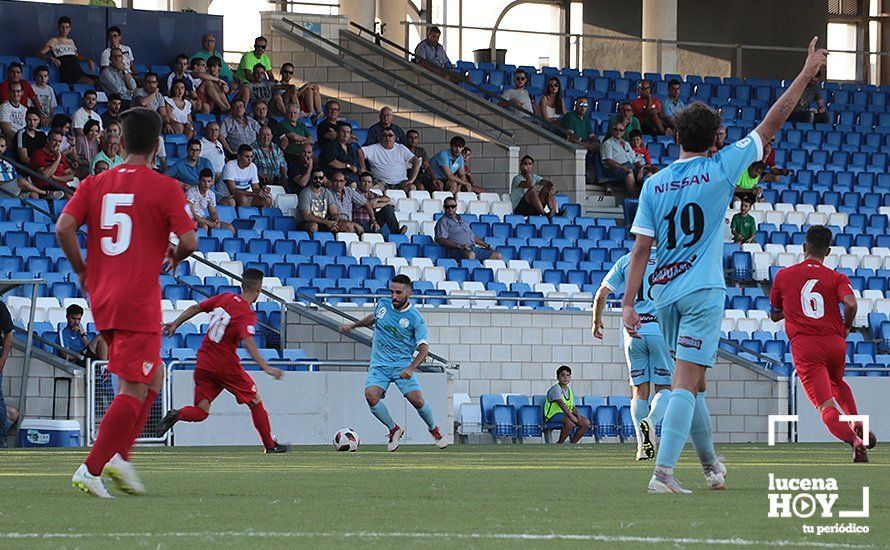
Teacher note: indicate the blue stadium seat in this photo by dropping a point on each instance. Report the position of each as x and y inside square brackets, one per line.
[488, 401]
[503, 421]
[606, 421]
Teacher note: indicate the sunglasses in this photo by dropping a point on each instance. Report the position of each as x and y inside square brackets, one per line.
[450, 206]
[318, 178]
[520, 79]
[617, 130]
[260, 46]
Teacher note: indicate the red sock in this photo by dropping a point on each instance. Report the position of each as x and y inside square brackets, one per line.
[261, 423]
[840, 430]
[114, 431]
[844, 397]
[193, 414]
[150, 397]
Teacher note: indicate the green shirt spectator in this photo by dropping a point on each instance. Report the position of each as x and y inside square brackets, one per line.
[750, 177]
[631, 125]
[743, 226]
[580, 127]
[286, 128]
[250, 59]
[208, 43]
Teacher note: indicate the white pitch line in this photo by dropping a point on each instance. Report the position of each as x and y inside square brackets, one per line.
[433, 535]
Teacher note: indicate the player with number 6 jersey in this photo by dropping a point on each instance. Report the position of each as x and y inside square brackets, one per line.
[232, 321]
[807, 296]
[130, 212]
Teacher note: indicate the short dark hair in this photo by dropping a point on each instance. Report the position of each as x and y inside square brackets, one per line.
[757, 165]
[747, 197]
[412, 131]
[73, 309]
[697, 127]
[433, 30]
[403, 280]
[288, 64]
[365, 173]
[818, 239]
[520, 71]
[525, 158]
[263, 38]
[41, 68]
[205, 173]
[214, 61]
[258, 66]
[466, 150]
[623, 103]
[142, 127]
[91, 92]
[251, 279]
[89, 125]
[563, 368]
[151, 73]
[193, 141]
[112, 29]
[343, 123]
[32, 111]
[14, 65]
[113, 97]
[457, 141]
[673, 82]
[243, 148]
[59, 120]
[181, 56]
[635, 133]
[63, 19]
[330, 102]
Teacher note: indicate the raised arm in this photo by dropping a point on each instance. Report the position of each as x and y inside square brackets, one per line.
[784, 106]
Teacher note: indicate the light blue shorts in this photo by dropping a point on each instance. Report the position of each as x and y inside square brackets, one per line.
[383, 376]
[648, 360]
[691, 326]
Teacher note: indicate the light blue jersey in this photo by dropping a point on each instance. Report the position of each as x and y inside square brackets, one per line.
[396, 334]
[645, 301]
[683, 207]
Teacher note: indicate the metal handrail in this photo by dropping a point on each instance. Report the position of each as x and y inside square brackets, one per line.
[22, 169]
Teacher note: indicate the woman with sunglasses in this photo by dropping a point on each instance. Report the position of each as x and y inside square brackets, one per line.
[551, 106]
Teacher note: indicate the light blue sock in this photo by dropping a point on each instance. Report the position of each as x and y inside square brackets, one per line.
[700, 432]
[675, 428]
[426, 412]
[639, 408]
[382, 413]
[659, 406]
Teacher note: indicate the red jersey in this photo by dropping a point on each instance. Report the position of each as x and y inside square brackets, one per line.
[639, 105]
[809, 293]
[40, 160]
[232, 319]
[27, 92]
[129, 212]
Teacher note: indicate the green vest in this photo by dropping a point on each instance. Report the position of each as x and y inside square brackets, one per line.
[551, 408]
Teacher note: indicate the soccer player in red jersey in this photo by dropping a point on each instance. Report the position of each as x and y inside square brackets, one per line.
[232, 320]
[807, 295]
[129, 212]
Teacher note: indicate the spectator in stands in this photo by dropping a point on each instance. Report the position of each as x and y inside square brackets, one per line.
[673, 103]
[241, 182]
[527, 198]
[377, 211]
[62, 123]
[188, 170]
[29, 139]
[802, 111]
[202, 200]
[317, 209]
[627, 120]
[346, 199]
[113, 113]
[116, 79]
[111, 147]
[113, 38]
[517, 96]
[66, 57]
[250, 60]
[261, 115]
[87, 145]
[238, 129]
[581, 132]
[647, 109]
[386, 123]
[45, 95]
[307, 96]
[212, 89]
[749, 179]
[300, 168]
[620, 161]
[86, 112]
[561, 399]
[454, 233]
[269, 159]
[13, 112]
[448, 167]
[388, 161]
[258, 87]
[770, 171]
[180, 73]
[293, 134]
[10, 180]
[343, 154]
[425, 178]
[179, 112]
[7, 328]
[212, 149]
[743, 224]
[327, 128]
[642, 152]
[14, 74]
[208, 50]
[100, 167]
[52, 164]
[467, 154]
[720, 142]
[431, 50]
[551, 105]
[74, 337]
[150, 97]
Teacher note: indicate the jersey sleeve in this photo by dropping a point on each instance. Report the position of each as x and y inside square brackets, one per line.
[246, 326]
[421, 334]
[736, 158]
[615, 277]
[644, 219]
[843, 287]
[179, 215]
[210, 303]
[775, 294]
[79, 205]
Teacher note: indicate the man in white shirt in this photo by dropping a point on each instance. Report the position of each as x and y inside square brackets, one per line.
[389, 161]
[45, 94]
[212, 149]
[518, 95]
[86, 112]
[113, 35]
[12, 112]
[203, 203]
[241, 182]
[620, 161]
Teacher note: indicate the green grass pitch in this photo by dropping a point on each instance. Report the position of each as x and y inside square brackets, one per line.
[469, 496]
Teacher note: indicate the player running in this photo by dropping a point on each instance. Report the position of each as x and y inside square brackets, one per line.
[129, 212]
[648, 358]
[232, 321]
[682, 208]
[399, 330]
[807, 296]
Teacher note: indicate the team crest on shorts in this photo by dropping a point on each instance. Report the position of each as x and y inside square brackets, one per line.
[146, 367]
[403, 323]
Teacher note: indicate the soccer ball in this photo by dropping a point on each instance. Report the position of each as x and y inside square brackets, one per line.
[346, 440]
